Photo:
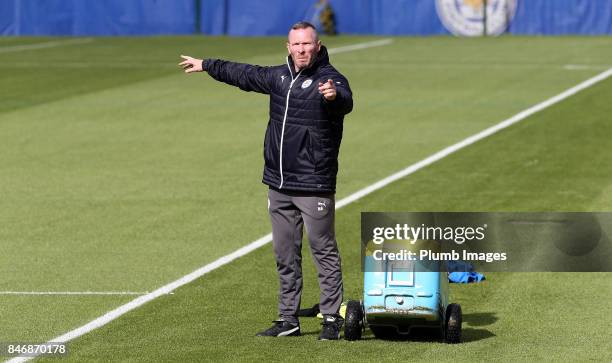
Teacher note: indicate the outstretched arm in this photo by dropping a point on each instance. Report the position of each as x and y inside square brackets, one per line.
[245, 76]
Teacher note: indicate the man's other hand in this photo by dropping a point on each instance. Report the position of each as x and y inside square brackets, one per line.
[328, 90]
[191, 64]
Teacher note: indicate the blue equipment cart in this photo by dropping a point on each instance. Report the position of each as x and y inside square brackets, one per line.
[401, 295]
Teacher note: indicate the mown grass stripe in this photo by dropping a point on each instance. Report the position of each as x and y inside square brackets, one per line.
[114, 314]
[73, 293]
[45, 45]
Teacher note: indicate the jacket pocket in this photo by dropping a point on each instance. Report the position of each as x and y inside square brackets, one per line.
[321, 147]
[298, 153]
[270, 150]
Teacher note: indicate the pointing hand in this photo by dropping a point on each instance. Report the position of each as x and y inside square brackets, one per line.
[328, 90]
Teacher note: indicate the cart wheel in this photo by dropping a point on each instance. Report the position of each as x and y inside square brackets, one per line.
[452, 328]
[353, 321]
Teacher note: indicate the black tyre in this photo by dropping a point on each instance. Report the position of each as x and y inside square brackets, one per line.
[452, 326]
[353, 321]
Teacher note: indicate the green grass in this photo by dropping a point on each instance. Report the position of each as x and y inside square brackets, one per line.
[120, 173]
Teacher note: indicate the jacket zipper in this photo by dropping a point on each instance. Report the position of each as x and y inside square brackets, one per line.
[284, 121]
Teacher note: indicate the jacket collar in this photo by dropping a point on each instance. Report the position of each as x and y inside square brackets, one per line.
[321, 59]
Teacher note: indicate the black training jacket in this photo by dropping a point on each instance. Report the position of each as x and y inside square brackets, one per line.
[304, 131]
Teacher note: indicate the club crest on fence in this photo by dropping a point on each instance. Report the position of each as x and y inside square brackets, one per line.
[466, 17]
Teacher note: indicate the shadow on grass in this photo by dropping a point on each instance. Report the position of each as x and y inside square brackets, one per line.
[480, 319]
[416, 335]
[468, 335]
[473, 335]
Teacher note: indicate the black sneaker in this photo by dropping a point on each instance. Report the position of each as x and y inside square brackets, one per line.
[281, 328]
[331, 327]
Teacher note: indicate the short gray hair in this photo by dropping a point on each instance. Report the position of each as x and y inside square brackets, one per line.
[305, 25]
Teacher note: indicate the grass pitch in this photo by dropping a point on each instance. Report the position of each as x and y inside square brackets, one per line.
[119, 173]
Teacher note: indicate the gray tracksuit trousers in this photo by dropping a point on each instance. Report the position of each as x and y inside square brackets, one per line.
[289, 213]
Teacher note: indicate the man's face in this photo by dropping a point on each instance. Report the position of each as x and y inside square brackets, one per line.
[303, 47]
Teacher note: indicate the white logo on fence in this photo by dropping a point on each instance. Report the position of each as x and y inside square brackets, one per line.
[466, 17]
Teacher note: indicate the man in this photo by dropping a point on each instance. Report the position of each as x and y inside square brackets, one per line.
[308, 101]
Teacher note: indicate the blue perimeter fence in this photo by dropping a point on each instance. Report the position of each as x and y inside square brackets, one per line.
[274, 17]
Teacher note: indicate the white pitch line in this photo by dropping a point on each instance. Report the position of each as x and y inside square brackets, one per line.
[123, 309]
[51, 44]
[79, 293]
[474, 138]
[585, 67]
[359, 46]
